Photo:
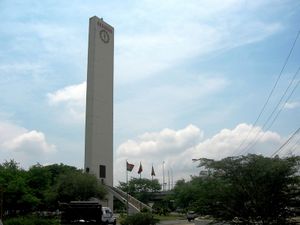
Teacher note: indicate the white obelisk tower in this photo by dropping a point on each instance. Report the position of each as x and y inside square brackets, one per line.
[99, 103]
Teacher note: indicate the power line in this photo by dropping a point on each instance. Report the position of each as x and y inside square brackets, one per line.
[258, 136]
[293, 148]
[286, 142]
[270, 94]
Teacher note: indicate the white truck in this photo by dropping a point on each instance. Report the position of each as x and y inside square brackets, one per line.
[107, 216]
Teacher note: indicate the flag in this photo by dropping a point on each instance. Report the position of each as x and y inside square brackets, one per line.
[152, 172]
[129, 166]
[140, 169]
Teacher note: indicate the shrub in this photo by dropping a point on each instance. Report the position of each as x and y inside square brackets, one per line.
[30, 220]
[139, 219]
[145, 210]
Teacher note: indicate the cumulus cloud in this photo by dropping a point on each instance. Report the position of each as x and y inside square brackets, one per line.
[72, 93]
[177, 148]
[228, 142]
[31, 142]
[71, 99]
[22, 145]
[160, 143]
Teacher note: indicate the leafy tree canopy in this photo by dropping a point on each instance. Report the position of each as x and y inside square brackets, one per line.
[42, 187]
[249, 189]
[78, 186]
[141, 188]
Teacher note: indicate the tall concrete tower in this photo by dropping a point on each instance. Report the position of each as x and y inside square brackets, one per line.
[99, 103]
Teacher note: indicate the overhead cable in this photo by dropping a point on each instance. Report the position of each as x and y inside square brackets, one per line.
[269, 96]
[258, 135]
[286, 142]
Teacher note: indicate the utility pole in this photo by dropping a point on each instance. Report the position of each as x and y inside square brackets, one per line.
[163, 175]
[172, 184]
[169, 180]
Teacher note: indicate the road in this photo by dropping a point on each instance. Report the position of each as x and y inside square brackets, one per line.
[185, 222]
[179, 222]
[175, 222]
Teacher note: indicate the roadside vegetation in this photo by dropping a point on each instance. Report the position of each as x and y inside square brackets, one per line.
[250, 189]
[243, 190]
[39, 190]
[31, 220]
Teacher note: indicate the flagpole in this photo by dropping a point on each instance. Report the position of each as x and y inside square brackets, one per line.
[152, 174]
[127, 189]
[163, 176]
[168, 180]
[172, 178]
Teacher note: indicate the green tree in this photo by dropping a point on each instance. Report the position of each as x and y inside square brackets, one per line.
[56, 170]
[17, 195]
[38, 181]
[250, 189]
[43, 180]
[184, 194]
[78, 186]
[141, 188]
[41, 187]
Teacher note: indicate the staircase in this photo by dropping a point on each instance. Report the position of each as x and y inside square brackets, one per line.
[134, 205]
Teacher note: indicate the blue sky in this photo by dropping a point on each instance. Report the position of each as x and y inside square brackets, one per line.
[190, 80]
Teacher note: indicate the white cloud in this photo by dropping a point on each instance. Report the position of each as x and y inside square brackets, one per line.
[155, 147]
[227, 142]
[292, 105]
[165, 142]
[71, 99]
[9, 130]
[30, 142]
[72, 93]
[178, 148]
[24, 146]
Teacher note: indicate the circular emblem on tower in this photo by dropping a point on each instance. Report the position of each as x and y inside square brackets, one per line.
[104, 36]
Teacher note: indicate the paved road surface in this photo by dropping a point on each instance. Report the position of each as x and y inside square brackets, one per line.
[184, 222]
[176, 222]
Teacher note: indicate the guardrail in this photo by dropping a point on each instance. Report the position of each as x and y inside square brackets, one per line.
[136, 204]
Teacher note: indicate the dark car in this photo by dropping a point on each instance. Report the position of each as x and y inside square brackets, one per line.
[191, 215]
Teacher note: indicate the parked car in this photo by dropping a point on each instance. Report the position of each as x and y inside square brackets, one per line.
[191, 215]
